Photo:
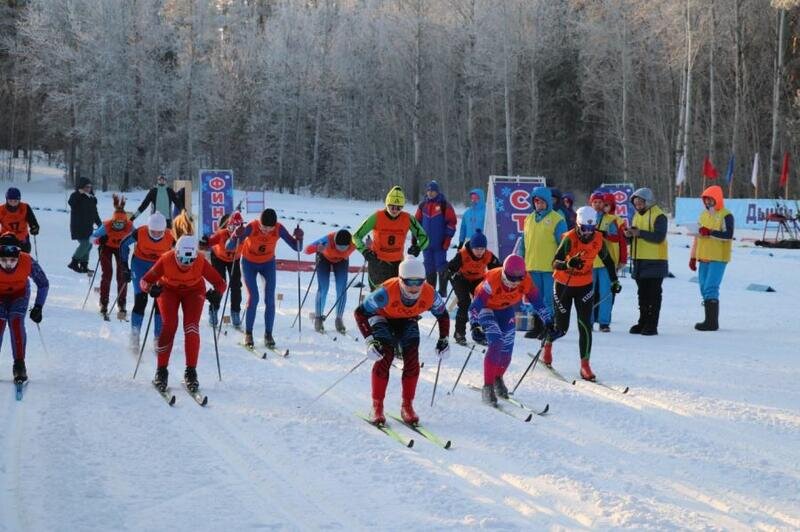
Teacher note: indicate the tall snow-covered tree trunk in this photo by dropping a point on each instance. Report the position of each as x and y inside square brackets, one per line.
[624, 91]
[687, 122]
[774, 155]
[417, 111]
[712, 101]
[737, 82]
[509, 123]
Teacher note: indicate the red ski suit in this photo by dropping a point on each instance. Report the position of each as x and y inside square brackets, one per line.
[185, 289]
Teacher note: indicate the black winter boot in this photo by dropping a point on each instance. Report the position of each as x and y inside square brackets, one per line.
[637, 329]
[711, 322]
[190, 378]
[650, 327]
[75, 266]
[20, 373]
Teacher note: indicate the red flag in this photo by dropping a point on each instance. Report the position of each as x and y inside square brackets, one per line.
[785, 169]
[708, 169]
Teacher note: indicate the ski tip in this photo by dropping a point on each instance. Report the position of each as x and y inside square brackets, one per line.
[204, 402]
[625, 390]
[410, 443]
[528, 419]
[171, 401]
[546, 409]
[286, 353]
[574, 382]
[447, 444]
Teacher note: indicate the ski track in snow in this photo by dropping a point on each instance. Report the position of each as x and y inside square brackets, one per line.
[707, 437]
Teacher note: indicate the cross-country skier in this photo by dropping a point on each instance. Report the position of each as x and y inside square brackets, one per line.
[226, 262]
[16, 267]
[259, 238]
[17, 217]
[712, 249]
[388, 320]
[333, 253]
[108, 237]
[178, 279]
[467, 270]
[389, 228]
[152, 241]
[573, 275]
[491, 315]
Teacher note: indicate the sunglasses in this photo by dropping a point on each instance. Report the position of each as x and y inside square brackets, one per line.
[187, 259]
[413, 282]
[395, 207]
[587, 229]
[10, 249]
[118, 225]
[515, 278]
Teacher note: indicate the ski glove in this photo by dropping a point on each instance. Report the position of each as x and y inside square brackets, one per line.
[575, 263]
[134, 215]
[126, 273]
[414, 250]
[478, 336]
[34, 230]
[213, 297]
[102, 240]
[369, 255]
[526, 308]
[36, 314]
[551, 333]
[155, 291]
[374, 350]
[616, 287]
[443, 348]
[693, 264]
[298, 234]
[705, 231]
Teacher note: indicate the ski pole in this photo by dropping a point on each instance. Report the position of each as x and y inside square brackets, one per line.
[216, 348]
[114, 304]
[340, 379]
[530, 367]
[471, 349]
[218, 329]
[144, 341]
[299, 244]
[313, 274]
[344, 292]
[436, 381]
[450, 293]
[41, 338]
[91, 283]
[361, 288]
[35, 249]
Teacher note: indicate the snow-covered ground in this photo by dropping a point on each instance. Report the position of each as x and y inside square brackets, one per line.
[707, 438]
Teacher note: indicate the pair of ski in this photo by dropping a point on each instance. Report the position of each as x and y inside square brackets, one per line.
[555, 373]
[416, 427]
[169, 397]
[263, 354]
[522, 412]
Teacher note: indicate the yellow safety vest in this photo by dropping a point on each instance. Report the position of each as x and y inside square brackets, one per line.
[612, 247]
[708, 247]
[642, 249]
[540, 241]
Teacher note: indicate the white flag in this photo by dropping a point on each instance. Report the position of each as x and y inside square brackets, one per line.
[680, 177]
[754, 179]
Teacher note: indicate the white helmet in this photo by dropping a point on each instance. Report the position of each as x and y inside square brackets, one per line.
[186, 249]
[411, 268]
[157, 222]
[586, 216]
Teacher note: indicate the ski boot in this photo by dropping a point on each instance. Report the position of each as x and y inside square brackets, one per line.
[500, 389]
[488, 396]
[547, 354]
[213, 318]
[408, 414]
[604, 328]
[340, 328]
[376, 416]
[104, 309]
[20, 373]
[161, 378]
[190, 378]
[75, 266]
[236, 319]
[248, 340]
[460, 338]
[318, 324]
[122, 314]
[586, 370]
[269, 341]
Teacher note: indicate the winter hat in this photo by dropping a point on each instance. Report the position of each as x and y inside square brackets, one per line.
[269, 218]
[119, 202]
[433, 186]
[84, 182]
[157, 222]
[186, 249]
[610, 200]
[411, 268]
[596, 195]
[396, 197]
[478, 240]
[13, 193]
[645, 194]
[555, 192]
[9, 245]
[514, 268]
[586, 217]
[343, 237]
[568, 197]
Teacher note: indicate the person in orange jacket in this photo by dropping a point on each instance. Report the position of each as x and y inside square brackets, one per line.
[178, 280]
[226, 262]
[17, 217]
[109, 237]
[333, 253]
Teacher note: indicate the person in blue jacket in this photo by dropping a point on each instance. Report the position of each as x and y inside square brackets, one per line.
[474, 216]
[568, 210]
[438, 219]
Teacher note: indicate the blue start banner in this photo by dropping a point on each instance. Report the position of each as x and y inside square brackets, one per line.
[216, 197]
[747, 213]
[507, 206]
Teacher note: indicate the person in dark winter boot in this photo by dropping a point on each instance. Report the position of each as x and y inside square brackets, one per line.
[109, 237]
[151, 241]
[574, 264]
[16, 268]
[467, 269]
[491, 314]
[712, 249]
[388, 321]
[226, 262]
[648, 232]
[83, 217]
[17, 217]
[333, 254]
[178, 280]
[389, 228]
[438, 219]
[258, 240]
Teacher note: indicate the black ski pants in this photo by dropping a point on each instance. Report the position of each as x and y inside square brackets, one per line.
[582, 297]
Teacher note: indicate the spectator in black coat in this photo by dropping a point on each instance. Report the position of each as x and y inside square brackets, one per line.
[160, 198]
[83, 218]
